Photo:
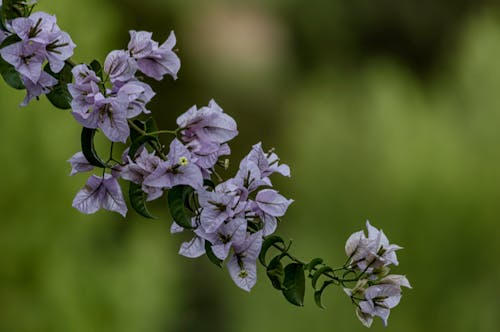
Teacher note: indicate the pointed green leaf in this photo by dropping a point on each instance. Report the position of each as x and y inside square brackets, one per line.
[10, 75]
[12, 39]
[313, 263]
[96, 67]
[319, 273]
[268, 243]
[87, 140]
[177, 198]
[59, 95]
[319, 293]
[138, 200]
[275, 272]
[294, 284]
[211, 256]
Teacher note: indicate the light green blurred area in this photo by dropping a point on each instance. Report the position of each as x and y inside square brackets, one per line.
[416, 156]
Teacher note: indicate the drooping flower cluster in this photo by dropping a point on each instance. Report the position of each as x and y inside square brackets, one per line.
[33, 41]
[108, 101]
[376, 291]
[236, 214]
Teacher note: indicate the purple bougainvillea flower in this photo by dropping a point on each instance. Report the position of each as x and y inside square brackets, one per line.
[179, 168]
[84, 75]
[219, 206]
[100, 193]
[208, 124]
[140, 168]
[249, 177]
[85, 91]
[193, 248]
[27, 58]
[379, 299]
[371, 252]
[242, 265]
[59, 50]
[93, 110]
[120, 67]
[268, 163]
[153, 60]
[269, 205]
[42, 86]
[40, 29]
[136, 95]
[79, 164]
[272, 203]
[234, 231]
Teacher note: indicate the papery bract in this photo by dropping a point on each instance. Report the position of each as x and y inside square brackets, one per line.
[42, 86]
[100, 193]
[120, 66]
[152, 60]
[242, 265]
[179, 168]
[79, 164]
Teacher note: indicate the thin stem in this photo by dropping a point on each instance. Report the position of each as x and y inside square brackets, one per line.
[159, 132]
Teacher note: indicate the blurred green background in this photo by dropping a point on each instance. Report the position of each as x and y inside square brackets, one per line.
[384, 110]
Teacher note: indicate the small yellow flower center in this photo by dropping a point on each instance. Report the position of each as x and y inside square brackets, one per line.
[183, 161]
[243, 274]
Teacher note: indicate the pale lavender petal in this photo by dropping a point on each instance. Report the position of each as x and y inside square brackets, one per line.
[113, 199]
[245, 276]
[194, 248]
[88, 200]
[272, 203]
[79, 164]
[353, 242]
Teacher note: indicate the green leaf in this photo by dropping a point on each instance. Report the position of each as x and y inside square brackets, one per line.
[209, 183]
[319, 273]
[294, 284]
[275, 272]
[150, 125]
[319, 293]
[12, 39]
[138, 200]
[313, 263]
[138, 142]
[87, 140]
[59, 95]
[177, 198]
[211, 256]
[96, 67]
[268, 243]
[10, 75]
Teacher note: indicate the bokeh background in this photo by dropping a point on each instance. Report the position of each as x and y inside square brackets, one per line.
[384, 110]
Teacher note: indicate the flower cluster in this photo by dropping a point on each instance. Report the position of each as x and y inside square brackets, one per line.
[108, 101]
[236, 214]
[33, 41]
[376, 291]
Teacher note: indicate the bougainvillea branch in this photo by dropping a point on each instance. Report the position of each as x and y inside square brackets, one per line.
[233, 220]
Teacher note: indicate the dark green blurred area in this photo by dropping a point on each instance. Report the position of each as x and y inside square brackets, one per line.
[384, 110]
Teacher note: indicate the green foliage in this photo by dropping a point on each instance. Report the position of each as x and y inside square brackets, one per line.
[59, 95]
[211, 256]
[10, 75]
[275, 272]
[178, 202]
[88, 150]
[294, 284]
[138, 200]
[268, 243]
